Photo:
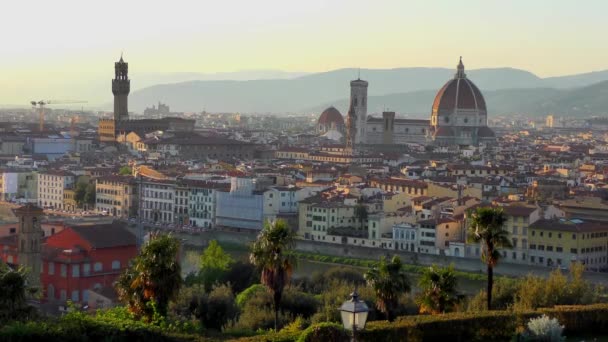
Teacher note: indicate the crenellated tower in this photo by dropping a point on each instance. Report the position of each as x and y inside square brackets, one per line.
[121, 86]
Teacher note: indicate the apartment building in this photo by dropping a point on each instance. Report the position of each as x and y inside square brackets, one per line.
[51, 186]
[158, 201]
[203, 200]
[116, 195]
[559, 242]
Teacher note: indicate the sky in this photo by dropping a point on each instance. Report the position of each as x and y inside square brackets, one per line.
[47, 44]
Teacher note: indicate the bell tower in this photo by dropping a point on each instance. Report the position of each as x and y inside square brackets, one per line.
[29, 244]
[121, 86]
[358, 98]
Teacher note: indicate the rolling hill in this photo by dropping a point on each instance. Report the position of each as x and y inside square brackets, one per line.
[406, 90]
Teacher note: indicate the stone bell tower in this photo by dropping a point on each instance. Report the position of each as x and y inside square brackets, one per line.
[121, 86]
[29, 241]
[358, 98]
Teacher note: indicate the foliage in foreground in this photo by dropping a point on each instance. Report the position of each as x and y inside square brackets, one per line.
[152, 279]
[439, 294]
[544, 328]
[269, 254]
[389, 281]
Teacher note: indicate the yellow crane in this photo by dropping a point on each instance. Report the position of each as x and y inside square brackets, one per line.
[42, 103]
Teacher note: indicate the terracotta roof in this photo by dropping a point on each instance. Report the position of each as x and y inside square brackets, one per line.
[330, 115]
[105, 235]
[459, 93]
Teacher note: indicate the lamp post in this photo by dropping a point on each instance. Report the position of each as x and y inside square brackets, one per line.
[354, 314]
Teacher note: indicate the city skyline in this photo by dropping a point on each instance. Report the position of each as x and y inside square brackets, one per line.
[67, 44]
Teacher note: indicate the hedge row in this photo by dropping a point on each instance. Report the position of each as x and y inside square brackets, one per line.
[63, 330]
[485, 326]
[481, 326]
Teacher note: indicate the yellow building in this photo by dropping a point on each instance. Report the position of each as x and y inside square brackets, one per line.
[116, 195]
[69, 199]
[519, 218]
[559, 242]
[318, 217]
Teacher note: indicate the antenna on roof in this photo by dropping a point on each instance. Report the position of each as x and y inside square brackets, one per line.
[359, 74]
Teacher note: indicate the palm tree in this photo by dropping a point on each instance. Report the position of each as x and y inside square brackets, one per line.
[486, 228]
[153, 277]
[388, 281]
[269, 254]
[14, 292]
[438, 286]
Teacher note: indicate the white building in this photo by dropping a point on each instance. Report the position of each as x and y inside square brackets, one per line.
[203, 200]
[158, 197]
[51, 186]
[405, 237]
[241, 207]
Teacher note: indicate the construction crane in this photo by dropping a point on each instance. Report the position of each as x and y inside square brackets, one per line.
[43, 103]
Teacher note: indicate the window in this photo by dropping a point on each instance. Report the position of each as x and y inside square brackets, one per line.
[75, 271]
[64, 270]
[62, 295]
[115, 265]
[97, 267]
[573, 250]
[75, 295]
[51, 268]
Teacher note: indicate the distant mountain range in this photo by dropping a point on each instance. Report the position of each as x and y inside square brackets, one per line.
[582, 101]
[404, 90]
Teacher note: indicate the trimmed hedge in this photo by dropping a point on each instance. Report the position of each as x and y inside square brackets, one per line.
[324, 332]
[485, 326]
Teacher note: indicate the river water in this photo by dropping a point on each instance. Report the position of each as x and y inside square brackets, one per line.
[305, 268]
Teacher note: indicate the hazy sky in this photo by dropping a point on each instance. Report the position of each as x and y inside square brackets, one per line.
[77, 40]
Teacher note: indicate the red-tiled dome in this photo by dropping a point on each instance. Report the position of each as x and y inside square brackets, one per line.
[331, 115]
[459, 93]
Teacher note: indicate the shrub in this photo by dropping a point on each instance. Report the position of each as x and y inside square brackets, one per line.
[219, 308]
[324, 332]
[544, 328]
[248, 293]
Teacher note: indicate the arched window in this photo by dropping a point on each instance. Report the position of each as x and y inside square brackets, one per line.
[97, 267]
[115, 265]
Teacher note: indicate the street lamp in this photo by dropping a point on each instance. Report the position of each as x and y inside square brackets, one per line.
[354, 314]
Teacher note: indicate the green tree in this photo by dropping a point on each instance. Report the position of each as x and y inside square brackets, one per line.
[361, 214]
[13, 294]
[80, 193]
[125, 171]
[438, 286]
[388, 279]
[90, 195]
[269, 254]
[214, 264]
[153, 279]
[486, 228]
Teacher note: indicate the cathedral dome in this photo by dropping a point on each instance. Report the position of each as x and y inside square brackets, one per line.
[459, 94]
[331, 116]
